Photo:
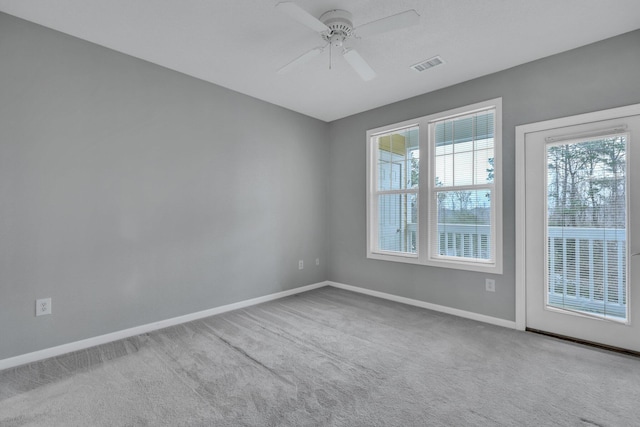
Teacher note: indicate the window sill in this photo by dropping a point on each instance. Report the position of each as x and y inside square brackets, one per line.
[408, 259]
[488, 268]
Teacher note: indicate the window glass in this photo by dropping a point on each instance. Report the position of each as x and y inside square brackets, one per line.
[463, 174]
[398, 171]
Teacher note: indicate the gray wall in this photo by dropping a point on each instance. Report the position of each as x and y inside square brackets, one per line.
[594, 77]
[130, 193]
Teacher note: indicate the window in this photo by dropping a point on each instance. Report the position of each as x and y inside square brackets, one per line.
[396, 190]
[443, 208]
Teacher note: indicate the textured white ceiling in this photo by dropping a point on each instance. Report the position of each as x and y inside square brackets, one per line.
[240, 44]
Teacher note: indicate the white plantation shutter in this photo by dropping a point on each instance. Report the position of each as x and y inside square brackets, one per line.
[587, 226]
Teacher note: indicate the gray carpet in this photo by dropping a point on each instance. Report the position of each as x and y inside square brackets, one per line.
[327, 357]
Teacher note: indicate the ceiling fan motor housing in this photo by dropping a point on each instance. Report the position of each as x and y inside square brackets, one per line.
[340, 24]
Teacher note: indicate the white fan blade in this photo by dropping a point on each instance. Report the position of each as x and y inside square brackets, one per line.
[394, 22]
[302, 16]
[305, 57]
[359, 65]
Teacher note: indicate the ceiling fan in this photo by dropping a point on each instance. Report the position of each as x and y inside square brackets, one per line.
[335, 27]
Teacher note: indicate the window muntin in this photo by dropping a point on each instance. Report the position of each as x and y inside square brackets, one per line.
[438, 201]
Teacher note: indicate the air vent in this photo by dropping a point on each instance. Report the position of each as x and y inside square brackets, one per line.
[428, 63]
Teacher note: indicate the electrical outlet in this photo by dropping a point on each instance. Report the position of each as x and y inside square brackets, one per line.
[300, 265]
[490, 285]
[317, 261]
[43, 306]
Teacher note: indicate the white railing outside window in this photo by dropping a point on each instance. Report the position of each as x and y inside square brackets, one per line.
[587, 269]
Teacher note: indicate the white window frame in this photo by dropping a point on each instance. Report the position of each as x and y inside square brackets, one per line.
[426, 194]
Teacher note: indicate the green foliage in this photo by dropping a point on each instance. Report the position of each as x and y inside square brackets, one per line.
[415, 171]
[491, 169]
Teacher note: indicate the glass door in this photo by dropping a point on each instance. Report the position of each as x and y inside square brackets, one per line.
[580, 228]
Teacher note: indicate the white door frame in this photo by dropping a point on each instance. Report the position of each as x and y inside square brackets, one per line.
[521, 133]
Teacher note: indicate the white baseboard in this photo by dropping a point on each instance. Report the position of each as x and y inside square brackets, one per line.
[150, 327]
[138, 330]
[435, 307]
